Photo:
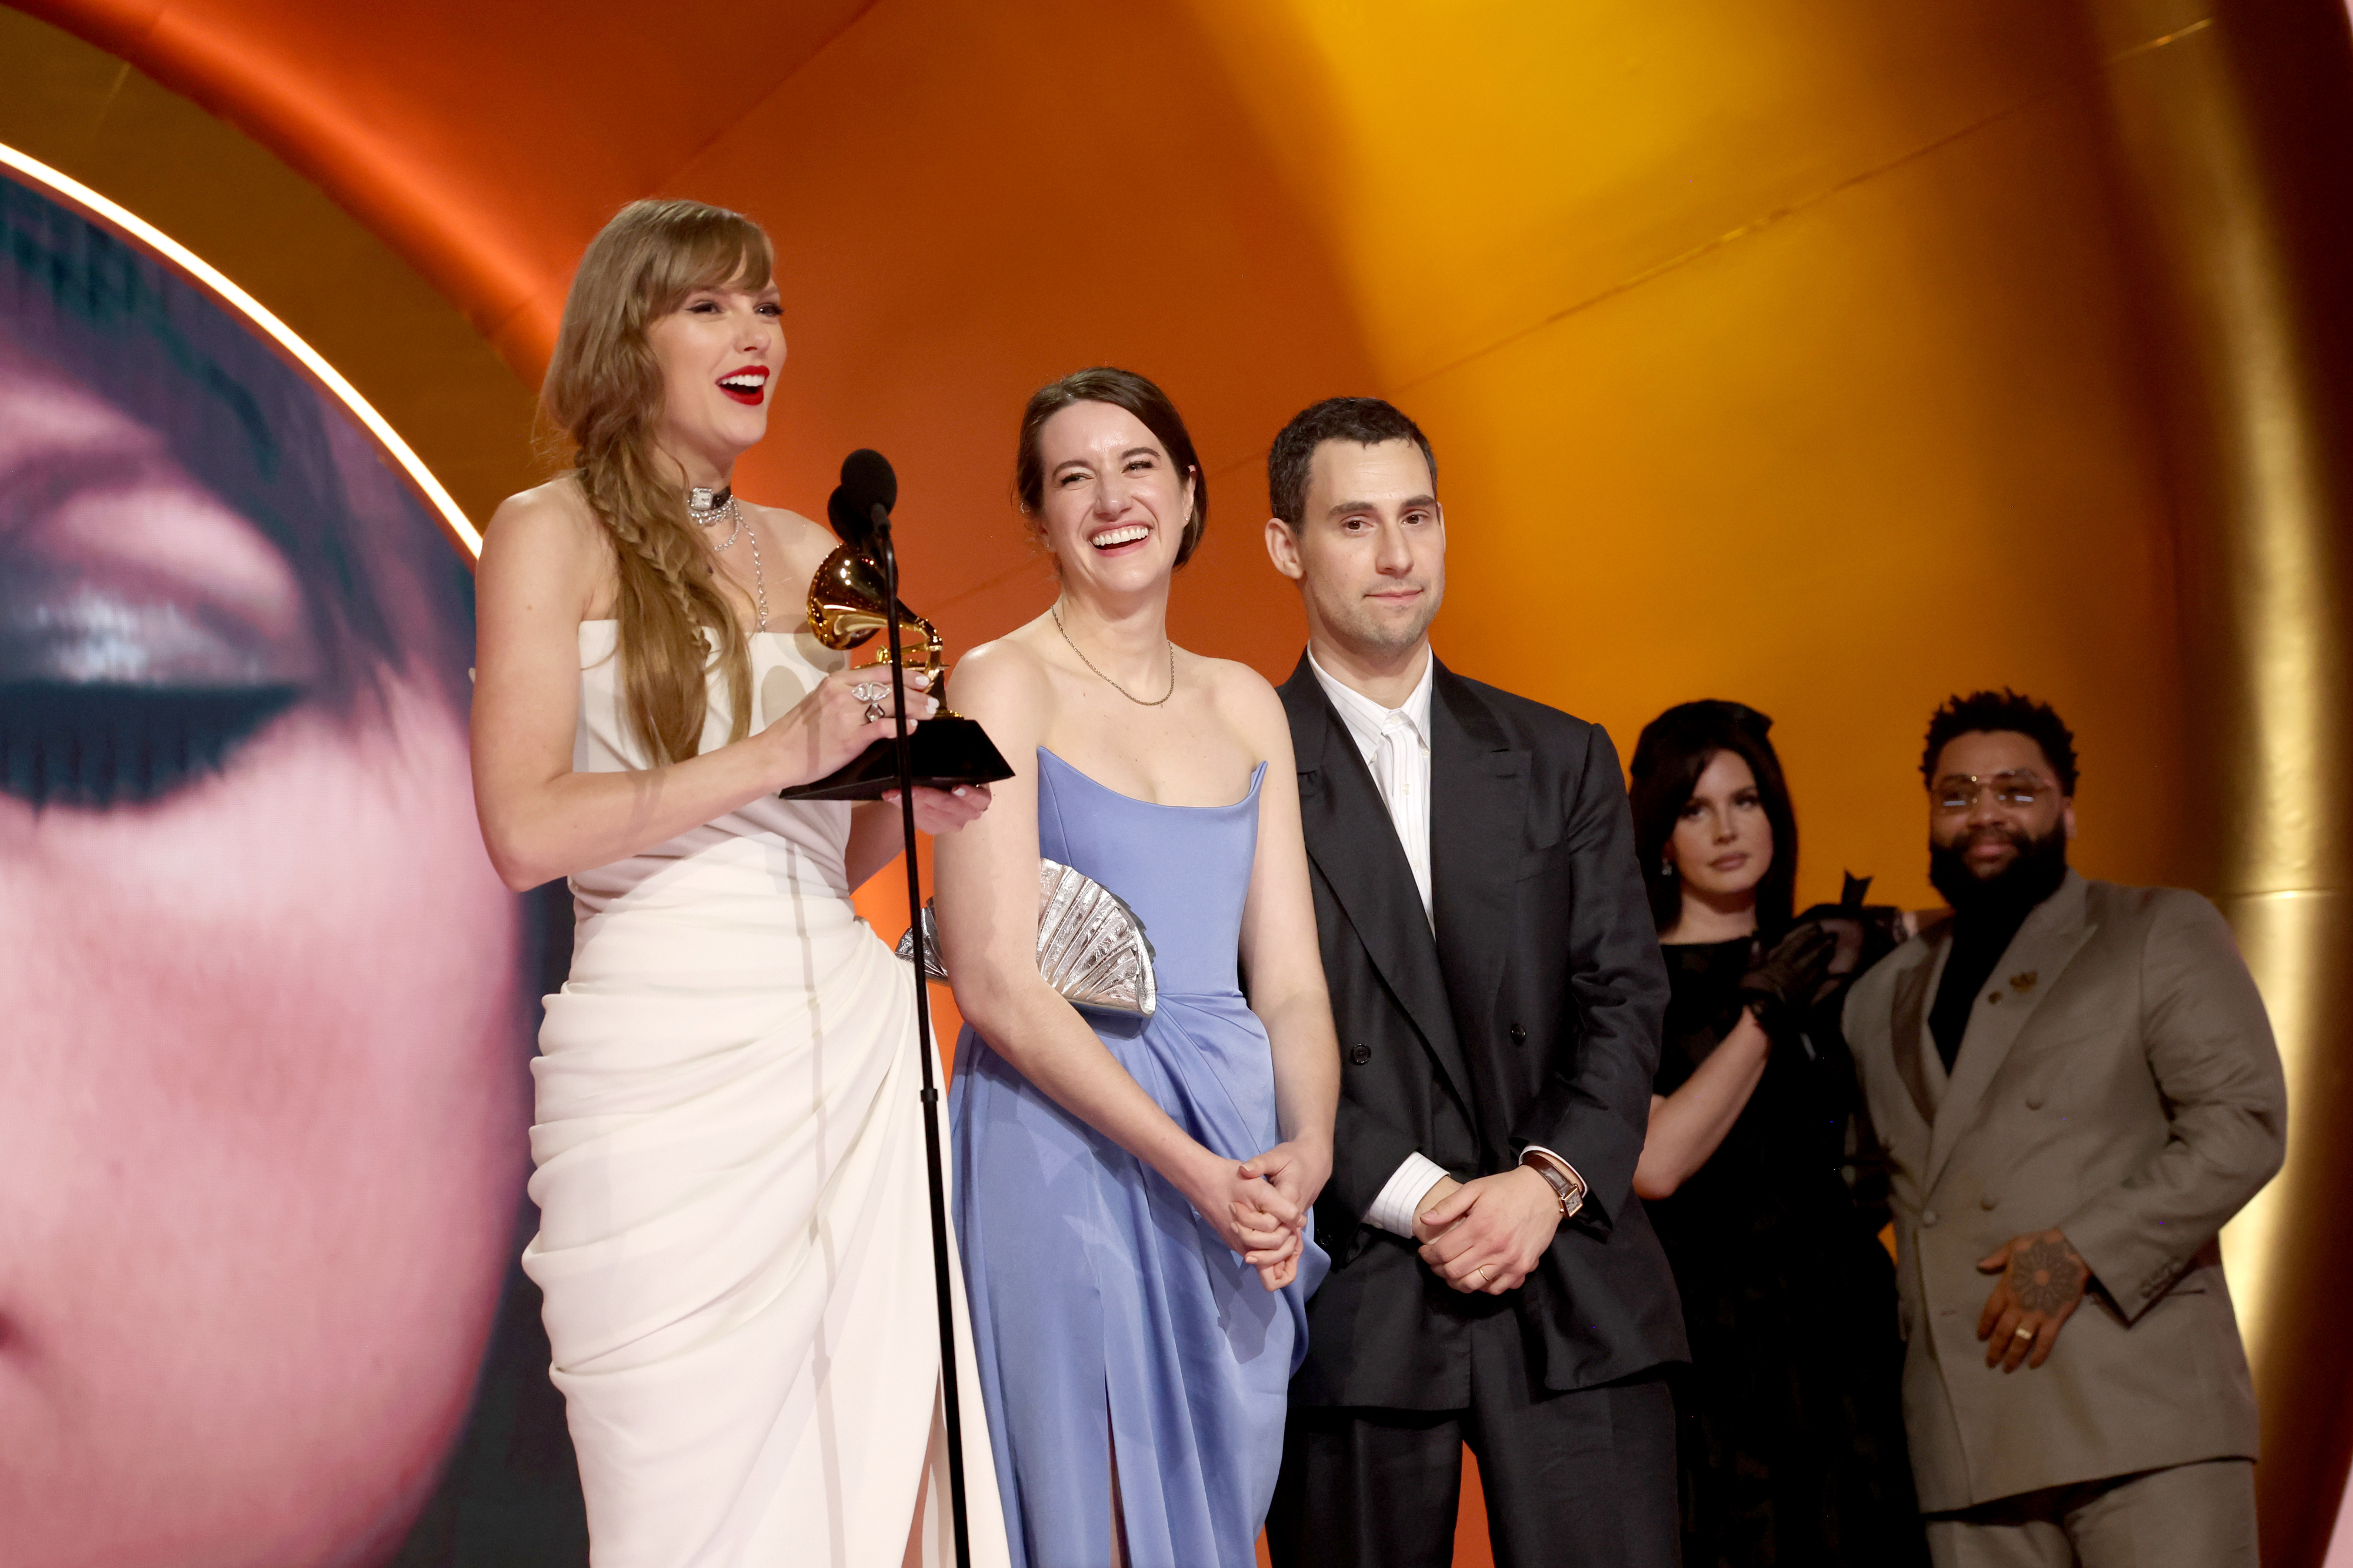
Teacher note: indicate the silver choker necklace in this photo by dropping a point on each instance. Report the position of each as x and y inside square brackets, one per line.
[707, 509]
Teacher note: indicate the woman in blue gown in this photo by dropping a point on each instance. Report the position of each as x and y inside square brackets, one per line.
[1133, 1195]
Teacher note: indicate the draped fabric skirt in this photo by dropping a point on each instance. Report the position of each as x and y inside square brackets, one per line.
[1114, 1325]
[734, 1236]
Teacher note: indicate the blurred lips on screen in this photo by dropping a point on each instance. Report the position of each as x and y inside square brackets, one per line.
[261, 1085]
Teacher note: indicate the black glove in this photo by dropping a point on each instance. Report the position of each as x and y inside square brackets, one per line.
[1780, 986]
[1866, 934]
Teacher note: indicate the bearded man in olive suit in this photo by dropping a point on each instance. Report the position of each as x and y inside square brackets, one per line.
[2077, 1086]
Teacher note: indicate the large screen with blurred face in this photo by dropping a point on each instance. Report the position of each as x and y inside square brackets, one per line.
[265, 1011]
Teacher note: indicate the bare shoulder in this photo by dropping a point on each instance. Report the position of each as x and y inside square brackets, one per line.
[545, 520]
[804, 545]
[1247, 701]
[785, 522]
[1006, 674]
[546, 539]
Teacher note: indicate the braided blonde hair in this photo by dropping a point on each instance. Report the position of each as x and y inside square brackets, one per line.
[604, 391]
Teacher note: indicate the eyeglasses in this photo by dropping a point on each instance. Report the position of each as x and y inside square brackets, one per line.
[1957, 792]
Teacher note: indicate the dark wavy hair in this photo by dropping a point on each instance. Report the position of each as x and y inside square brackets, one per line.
[1367, 421]
[1121, 389]
[2001, 712]
[1674, 749]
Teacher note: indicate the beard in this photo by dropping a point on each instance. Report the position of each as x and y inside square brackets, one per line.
[2032, 875]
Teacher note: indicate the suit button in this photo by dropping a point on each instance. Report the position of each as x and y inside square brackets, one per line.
[1361, 1054]
[1519, 1036]
[1988, 1201]
[2033, 1102]
[1927, 1217]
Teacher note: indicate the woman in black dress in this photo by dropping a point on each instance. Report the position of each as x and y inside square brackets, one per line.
[1757, 1170]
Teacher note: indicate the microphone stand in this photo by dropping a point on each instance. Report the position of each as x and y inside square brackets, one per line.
[888, 558]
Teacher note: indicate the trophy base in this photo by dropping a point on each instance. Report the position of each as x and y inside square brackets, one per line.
[943, 753]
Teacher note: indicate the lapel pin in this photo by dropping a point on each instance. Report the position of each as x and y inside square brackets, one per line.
[2024, 982]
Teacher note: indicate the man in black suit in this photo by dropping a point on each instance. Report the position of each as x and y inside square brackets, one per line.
[1496, 980]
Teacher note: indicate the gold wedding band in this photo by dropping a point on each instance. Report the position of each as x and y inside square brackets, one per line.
[1483, 1279]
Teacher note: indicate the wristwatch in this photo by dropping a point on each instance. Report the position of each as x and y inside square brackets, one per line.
[1565, 1184]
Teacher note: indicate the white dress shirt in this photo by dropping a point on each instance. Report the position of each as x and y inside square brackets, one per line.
[1396, 746]
[1395, 743]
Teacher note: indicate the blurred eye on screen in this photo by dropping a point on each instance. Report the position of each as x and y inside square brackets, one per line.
[145, 633]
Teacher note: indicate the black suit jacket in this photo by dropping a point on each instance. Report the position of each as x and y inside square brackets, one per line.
[1533, 1017]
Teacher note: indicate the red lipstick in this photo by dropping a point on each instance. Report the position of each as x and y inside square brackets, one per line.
[748, 386]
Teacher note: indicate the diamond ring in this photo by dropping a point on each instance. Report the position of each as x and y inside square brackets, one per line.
[873, 711]
[863, 692]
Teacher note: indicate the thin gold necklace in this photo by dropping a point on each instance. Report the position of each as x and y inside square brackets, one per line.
[1056, 611]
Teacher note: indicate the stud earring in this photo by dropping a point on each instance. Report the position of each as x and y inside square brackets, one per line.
[1666, 867]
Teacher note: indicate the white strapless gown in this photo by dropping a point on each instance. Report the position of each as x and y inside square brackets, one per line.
[734, 1236]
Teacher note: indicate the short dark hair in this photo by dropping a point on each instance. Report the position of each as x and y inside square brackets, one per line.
[1368, 421]
[1674, 749]
[1121, 389]
[2001, 712]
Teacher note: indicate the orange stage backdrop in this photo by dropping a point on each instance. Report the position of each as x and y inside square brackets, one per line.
[1801, 354]
[1795, 363]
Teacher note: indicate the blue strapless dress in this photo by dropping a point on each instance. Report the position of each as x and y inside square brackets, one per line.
[1105, 1313]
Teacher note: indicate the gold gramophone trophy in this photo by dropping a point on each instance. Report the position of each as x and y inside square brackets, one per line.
[848, 602]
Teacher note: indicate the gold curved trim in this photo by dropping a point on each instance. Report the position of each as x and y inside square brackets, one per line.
[2218, 146]
[252, 309]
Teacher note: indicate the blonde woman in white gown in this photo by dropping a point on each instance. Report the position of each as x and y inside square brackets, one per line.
[734, 1239]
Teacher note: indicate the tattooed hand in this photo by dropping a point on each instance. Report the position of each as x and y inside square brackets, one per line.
[2042, 1284]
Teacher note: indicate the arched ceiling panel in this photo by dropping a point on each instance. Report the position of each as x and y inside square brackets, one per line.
[484, 141]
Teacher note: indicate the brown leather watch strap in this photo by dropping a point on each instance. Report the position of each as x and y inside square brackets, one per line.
[1570, 1192]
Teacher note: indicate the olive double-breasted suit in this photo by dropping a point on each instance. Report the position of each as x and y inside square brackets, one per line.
[2117, 1080]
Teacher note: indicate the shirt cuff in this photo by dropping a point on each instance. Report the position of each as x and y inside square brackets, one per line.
[1401, 1194]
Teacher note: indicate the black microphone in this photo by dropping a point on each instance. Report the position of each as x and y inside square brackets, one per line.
[859, 510]
[860, 505]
